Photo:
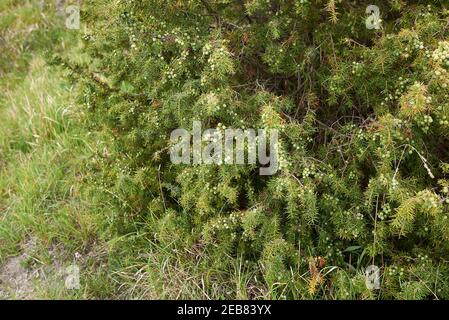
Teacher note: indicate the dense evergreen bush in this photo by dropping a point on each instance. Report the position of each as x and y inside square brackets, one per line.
[363, 116]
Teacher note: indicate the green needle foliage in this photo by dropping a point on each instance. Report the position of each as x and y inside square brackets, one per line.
[363, 117]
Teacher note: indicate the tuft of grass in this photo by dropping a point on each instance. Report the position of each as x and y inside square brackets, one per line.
[41, 151]
[44, 151]
[46, 196]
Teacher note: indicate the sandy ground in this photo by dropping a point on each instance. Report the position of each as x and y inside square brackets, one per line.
[22, 275]
[16, 282]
